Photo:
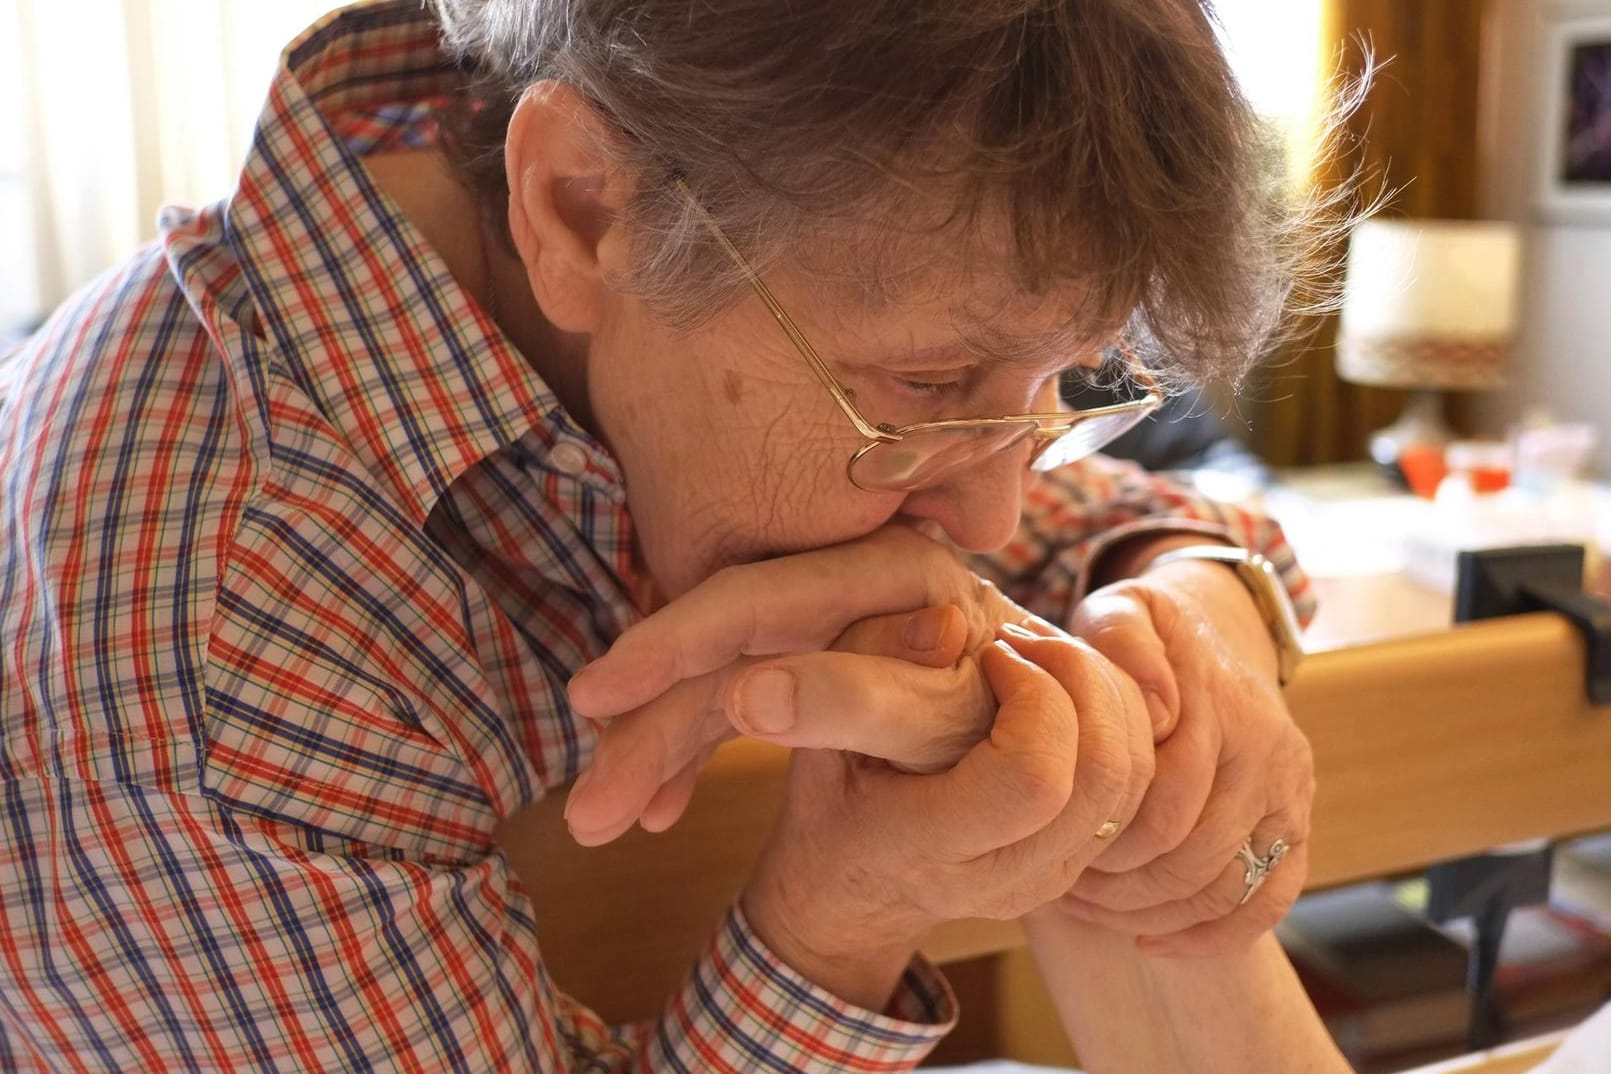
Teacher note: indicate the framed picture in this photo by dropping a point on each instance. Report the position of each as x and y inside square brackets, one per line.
[1576, 180]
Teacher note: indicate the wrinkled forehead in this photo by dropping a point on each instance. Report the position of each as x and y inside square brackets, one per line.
[949, 283]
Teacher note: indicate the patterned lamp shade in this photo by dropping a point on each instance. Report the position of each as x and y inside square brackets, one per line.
[1429, 304]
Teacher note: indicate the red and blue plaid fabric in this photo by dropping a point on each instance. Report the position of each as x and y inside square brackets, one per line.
[298, 555]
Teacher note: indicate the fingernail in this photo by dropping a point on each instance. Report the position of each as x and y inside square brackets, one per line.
[763, 704]
[578, 683]
[923, 630]
[1016, 631]
[576, 788]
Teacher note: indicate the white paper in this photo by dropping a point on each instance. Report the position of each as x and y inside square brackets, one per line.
[1586, 1050]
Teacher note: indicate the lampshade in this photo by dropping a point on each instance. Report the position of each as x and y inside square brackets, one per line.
[1429, 304]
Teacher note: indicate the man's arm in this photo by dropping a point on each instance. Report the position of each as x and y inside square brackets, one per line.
[161, 931]
[1101, 519]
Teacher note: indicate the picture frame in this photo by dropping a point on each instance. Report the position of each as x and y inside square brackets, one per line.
[1575, 161]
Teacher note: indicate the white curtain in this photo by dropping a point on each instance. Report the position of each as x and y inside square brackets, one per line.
[112, 108]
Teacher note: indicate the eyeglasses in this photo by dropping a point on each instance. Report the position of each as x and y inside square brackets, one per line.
[908, 457]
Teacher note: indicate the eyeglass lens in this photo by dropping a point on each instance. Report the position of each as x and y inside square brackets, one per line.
[1088, 437]
[926, 456]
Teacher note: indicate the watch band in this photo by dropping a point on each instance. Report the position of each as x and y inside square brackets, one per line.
[1263, 581]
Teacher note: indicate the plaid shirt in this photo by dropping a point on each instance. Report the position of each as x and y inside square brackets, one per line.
[298, 555]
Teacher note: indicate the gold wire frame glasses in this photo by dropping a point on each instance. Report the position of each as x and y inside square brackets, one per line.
[909, 457]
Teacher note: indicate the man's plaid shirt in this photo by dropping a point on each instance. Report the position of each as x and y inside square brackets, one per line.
[296, 557]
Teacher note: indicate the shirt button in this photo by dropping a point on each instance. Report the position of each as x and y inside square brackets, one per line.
[568, 458]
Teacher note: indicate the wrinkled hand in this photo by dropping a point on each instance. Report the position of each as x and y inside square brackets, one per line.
[865, 856]
[888, 624]
[1231, 765]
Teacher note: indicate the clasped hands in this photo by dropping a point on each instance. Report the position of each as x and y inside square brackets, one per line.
[956, 756]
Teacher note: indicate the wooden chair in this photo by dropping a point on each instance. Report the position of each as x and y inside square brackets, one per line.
[1426, 749]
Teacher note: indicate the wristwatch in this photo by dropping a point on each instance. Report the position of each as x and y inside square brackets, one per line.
[1264, 582]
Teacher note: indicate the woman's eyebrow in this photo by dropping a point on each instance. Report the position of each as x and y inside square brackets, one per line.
[1062, 348]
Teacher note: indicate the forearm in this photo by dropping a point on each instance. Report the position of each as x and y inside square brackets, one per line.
[1125, 1012]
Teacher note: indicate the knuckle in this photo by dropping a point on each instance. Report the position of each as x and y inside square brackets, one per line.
[1164, 825]
[729, 579]
[1215, 902]
[1172, 880]
[1040, 783]
[1304, 761]
[1105, 769]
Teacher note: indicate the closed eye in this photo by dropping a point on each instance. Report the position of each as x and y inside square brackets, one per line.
[930, 387]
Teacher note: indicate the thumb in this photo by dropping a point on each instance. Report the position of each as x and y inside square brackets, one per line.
[919, 719]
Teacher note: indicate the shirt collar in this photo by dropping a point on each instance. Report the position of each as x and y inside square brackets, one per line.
[373, 327]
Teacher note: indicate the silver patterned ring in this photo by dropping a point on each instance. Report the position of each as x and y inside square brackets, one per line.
[1257, 870]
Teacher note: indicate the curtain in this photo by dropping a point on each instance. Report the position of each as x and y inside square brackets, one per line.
[1418, 134]
[118, 107]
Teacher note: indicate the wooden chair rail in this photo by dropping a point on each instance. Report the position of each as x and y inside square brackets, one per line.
[1426, 748]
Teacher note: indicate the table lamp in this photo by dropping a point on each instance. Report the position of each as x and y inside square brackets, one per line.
[1428, 305]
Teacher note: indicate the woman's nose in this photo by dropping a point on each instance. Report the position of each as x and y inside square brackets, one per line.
[978, 506]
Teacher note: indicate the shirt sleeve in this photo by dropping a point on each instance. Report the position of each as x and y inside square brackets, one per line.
[159, 931]
[1076, 514]
[743, 1009]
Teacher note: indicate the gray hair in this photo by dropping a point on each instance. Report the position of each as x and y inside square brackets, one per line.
[1106, 140]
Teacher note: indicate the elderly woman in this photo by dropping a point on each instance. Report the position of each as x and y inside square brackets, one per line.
[711, 348]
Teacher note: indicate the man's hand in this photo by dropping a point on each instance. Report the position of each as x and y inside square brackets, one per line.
[1232, 765]
[866, 859]
[874, 626]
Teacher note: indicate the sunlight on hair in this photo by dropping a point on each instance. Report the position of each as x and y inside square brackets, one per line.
[1275, 49]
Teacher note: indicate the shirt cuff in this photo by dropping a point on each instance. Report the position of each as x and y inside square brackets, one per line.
[744, 1009]
[1098, 547]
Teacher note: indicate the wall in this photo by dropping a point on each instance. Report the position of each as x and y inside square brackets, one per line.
[1563, 360]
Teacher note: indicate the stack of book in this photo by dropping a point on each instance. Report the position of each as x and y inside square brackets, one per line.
[1555, 962]
[1392, 987]
[1385, 981]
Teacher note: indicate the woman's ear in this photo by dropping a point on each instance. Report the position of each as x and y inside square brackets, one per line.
[566, 191]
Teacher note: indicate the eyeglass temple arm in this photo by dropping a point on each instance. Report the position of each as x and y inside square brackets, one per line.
[785, 322]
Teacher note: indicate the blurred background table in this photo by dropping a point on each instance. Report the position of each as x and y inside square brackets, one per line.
[1381, 559]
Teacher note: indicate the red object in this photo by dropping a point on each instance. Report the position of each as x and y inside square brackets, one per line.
[1424, 468]
[1489, 479]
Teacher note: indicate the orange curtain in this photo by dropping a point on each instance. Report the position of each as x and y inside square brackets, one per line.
[1417, 134]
